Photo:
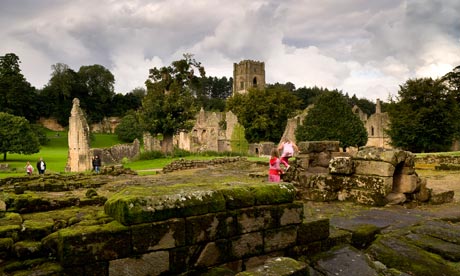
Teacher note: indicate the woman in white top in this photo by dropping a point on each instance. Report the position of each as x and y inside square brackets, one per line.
[288, 148]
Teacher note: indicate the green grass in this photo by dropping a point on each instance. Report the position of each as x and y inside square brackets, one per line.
[55, 156]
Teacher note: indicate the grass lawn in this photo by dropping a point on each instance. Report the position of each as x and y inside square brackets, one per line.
[55, 156]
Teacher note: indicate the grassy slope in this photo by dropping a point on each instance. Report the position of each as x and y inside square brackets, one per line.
[55, 156]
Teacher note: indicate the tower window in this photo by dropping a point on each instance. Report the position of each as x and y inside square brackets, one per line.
[372, 131]
[254, 82]
[242, 85]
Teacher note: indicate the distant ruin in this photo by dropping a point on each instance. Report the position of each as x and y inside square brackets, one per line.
[79, 159]
[248, 74]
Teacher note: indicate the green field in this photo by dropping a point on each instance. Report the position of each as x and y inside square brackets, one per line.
[55, 156]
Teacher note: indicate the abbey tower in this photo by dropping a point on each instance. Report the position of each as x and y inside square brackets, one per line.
[248, 74]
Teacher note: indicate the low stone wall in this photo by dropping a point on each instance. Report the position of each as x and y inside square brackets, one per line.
[438, 159]
[186, 229]
[115, 154]
[373, 176]
[183, 164]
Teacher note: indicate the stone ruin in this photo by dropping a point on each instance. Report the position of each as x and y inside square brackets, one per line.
[213, 131]
[79, 159]
[373, 176]
[80, 154]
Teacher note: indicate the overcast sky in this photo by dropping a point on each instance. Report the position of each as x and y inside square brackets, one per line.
[367, 48]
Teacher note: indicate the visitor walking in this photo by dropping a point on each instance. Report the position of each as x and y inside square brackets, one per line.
[29, 168]
[96, 163]
[274, 171]
[41, 166]
[288, 148]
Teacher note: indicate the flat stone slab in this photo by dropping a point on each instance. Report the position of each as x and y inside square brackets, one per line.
[135, 205]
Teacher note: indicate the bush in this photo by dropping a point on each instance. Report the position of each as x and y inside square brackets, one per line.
[149, 155]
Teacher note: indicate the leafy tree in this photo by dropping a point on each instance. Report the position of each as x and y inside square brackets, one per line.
[98, 84]
[17, 96]
[212, 92]
[365, 105]
[56, 97]
[168, 107]
[424, 118]
[264, 112]
[129, 128]
[331, 118]
[308, 95]
[16, 135]
[452, 82]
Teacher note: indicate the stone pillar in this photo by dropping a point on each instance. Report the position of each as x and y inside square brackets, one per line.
[78, 159]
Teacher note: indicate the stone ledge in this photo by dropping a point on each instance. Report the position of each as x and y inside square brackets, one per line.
[135, 205]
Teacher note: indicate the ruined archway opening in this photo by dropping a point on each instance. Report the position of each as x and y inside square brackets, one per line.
[254, 82]
[397, 176]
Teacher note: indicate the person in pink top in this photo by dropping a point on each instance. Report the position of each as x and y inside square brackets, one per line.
[288, 149]
[274, 171]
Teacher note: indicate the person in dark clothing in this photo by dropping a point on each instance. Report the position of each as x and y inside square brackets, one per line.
[41, 166]
[97, 163]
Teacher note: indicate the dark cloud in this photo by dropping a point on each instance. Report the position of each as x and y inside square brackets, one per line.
[362, 47]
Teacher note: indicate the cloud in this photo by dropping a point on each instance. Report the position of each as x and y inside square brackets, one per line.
[367, 48]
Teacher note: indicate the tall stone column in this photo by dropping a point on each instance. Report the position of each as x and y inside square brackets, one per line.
[79, 159]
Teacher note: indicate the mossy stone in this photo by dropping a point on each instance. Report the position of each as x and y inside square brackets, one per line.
[363, 235]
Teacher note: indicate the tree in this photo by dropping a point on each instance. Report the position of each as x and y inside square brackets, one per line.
[264, 112]
[168, 107]
[17, 96]
[16, 135]
[424, 118]
[56, 97]
[98, 83]
[129, 128]
[331, 118]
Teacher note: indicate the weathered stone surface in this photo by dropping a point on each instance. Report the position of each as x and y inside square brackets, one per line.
[153, 263]
[158, 236]
[210, 227]
[392, 156]
[440, 196]
[366, 197]
[280, 238]
[88, 244]
[363, 235]
[246, 245]
[397, 253]
[135, 205]
[341, 165]
[313, 230]
[449, 251]
[403, 183]
[79, 141]
[256, 219]
[396, 198]
[424, 193]
[345, 261]
[377, 168]
[291, 214]
[280, 266]
[213, 253]
[318, 146]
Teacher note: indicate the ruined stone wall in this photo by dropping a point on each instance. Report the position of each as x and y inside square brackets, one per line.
[151, 143]
[189, 230]
[79, 159]
[212, 132]
[183, 164]
[107, 125]
[116, 153]
[373, 176]
[51, 123]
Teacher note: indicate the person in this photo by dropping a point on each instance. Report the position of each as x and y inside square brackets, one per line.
[288, 149]
[274, 171]
[41, 166]
[96, 163]
[29, 168]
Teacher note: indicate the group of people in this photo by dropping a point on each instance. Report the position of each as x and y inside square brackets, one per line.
[41, 167]
[287, 149]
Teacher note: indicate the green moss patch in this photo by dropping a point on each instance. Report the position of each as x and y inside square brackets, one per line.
[135, 205]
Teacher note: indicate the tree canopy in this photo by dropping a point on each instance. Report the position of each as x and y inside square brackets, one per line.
[17, 96]
[331, 118]
[425, 117]
[16, 136]
[169, 106]
[264, 112]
